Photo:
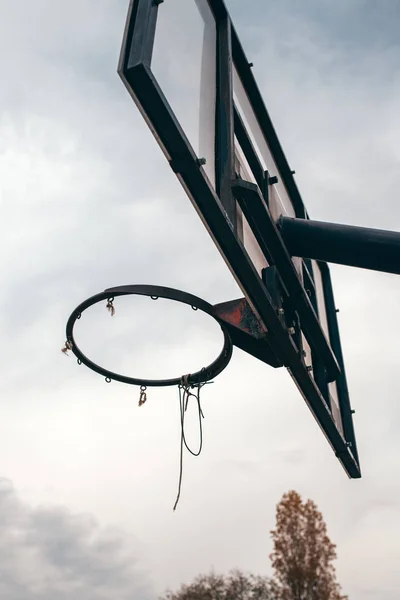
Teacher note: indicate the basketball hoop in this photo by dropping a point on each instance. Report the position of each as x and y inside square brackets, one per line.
[154, 292]
[185, 382]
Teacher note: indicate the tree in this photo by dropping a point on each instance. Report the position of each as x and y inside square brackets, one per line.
[303, 553]
[235, 586]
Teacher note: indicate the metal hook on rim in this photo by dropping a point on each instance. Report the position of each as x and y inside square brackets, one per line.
[143, 395]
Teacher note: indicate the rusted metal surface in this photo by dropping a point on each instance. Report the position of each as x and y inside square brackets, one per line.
[239, 314]
[247, 332]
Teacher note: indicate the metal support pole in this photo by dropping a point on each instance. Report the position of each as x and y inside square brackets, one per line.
[374, 249]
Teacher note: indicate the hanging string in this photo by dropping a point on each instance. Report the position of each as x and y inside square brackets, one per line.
[67, 347]
[110, 306]
[184, 395]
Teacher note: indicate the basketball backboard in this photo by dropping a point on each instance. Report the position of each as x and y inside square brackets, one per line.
[186, 70]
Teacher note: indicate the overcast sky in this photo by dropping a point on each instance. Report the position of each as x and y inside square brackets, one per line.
[87, 202]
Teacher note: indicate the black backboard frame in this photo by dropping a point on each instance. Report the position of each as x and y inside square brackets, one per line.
[217, 209]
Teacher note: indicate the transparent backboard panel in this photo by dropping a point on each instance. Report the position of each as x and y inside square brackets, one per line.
[252, 248]
[335, 406]
[279, 199]
[307, 353]
[245, 232]
[319, 290]
[184, 64]
[242, 167]
[279, 203]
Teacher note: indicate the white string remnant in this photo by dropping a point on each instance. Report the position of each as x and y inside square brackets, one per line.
[67, 347]
[184, 395]
[110, 306]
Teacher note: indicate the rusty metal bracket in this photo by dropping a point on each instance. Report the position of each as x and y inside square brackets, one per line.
[247, 332]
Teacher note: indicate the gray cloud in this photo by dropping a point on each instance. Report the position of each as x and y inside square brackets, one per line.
[48, 553]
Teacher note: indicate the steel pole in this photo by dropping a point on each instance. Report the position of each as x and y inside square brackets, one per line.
[374, 249]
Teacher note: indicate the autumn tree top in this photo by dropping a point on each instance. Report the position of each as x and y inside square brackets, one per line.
[303, 554]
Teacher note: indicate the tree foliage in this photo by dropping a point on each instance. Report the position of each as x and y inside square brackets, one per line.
[235, 586]
[303, 553]
[302, 560]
